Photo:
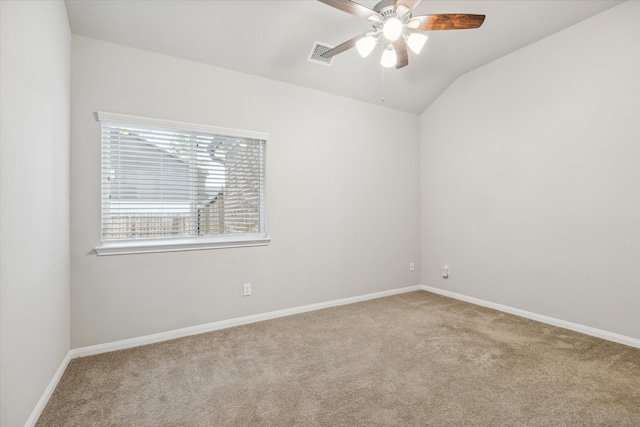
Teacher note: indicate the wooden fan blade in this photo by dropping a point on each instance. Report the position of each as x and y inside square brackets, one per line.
[411, 4]
[401, 53]
[454, 21]
[350, 7]
[342, 47]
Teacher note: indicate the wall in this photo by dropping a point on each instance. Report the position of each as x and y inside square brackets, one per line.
[342, 197]
[34, 201]
[530, 177]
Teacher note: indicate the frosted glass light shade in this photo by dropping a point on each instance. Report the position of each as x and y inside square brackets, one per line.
[402, 10]
[389, 57]
[365, 46]
[392, 29]
[416, 42]
[413, 23]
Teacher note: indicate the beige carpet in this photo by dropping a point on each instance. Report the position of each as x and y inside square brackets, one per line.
[415, 359]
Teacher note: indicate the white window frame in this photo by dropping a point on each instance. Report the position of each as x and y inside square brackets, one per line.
[135, 246]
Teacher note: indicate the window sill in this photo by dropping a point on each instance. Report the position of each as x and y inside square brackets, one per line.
[177, 245]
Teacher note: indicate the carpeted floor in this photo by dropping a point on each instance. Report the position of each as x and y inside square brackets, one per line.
[416, 359]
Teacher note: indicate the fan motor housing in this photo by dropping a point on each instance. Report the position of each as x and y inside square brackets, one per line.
[385, 8]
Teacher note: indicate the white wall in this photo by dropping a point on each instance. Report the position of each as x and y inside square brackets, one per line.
[530, 177]
[34, 201]
[342, 197]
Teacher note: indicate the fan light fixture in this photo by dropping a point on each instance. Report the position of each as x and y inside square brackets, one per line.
[389, 57]
[416, 42]
[402, 10]
[392, 29]
[393, 23]
[366, 45]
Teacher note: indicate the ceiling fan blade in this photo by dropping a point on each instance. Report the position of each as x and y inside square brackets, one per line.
[453, 21]
[342, 47]
[410, 4]
[401, 52]
[351, 7]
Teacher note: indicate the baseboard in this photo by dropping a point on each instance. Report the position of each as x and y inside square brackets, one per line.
[576, 327]
[35, 414]
[223, 324]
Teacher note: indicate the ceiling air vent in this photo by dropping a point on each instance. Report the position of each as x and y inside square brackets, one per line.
[317, 50]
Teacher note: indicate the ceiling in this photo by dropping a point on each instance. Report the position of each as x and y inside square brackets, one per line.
[273, 39]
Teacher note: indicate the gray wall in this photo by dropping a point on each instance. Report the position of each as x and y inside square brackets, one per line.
[530, 177]
[35, 46]
[342, 197]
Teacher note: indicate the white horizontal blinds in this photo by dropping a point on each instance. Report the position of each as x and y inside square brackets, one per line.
[164, 183]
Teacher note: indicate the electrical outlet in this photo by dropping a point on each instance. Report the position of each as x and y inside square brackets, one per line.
[247, 289]
[412, 266]
[445, 271]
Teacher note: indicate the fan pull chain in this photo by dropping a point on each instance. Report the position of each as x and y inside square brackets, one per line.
[383, 99]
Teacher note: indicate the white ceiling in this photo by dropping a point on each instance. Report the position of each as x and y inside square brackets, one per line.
[273, 39]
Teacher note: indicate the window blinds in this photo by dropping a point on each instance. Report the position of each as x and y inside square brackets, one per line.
[161, 181]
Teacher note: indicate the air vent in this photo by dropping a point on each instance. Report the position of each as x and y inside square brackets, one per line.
[316, 52]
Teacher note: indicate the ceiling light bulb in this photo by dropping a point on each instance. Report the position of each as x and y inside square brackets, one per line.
[389, 57]
[413, 23]
[365, 45]
[416, 42]
[392, 29]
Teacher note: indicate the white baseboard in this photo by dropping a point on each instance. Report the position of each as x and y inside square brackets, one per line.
[35, 414]
[223, 324]
[576, 327]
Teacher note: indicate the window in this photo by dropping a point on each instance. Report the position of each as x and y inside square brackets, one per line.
[178, 186]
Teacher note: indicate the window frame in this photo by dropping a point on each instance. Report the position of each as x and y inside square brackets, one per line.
[187, 243]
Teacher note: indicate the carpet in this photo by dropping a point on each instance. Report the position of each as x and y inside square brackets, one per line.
[415, 359]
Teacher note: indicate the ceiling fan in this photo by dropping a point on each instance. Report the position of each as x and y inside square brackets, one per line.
[395, 28]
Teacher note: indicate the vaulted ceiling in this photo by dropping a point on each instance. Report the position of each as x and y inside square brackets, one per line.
[273, 39]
